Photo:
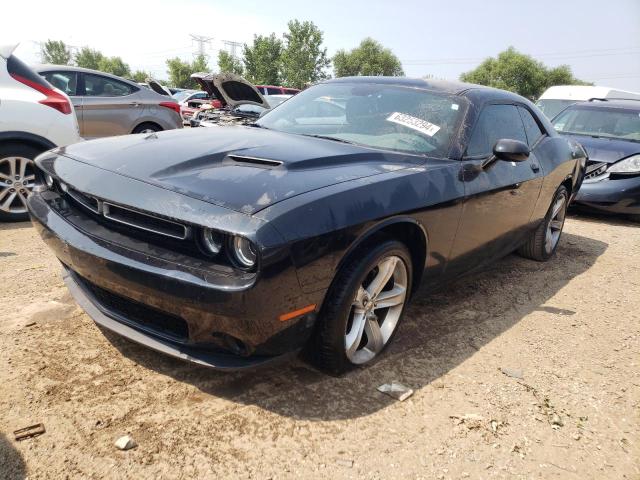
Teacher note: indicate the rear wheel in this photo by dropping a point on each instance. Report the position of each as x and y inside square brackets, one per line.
[543, 242]
[17, 178]
[363, 307]
[147, 127]
[634, 218]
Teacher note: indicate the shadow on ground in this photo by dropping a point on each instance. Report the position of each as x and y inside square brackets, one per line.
[592, 216]
[439, 331]
[12, 466]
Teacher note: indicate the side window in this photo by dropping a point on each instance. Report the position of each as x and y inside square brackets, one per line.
[98, 86]
[65, 81]
[495, 122]
[273, 91]
[531, 127]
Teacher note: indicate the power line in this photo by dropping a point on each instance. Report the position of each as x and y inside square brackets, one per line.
[201, 40]
[552, 55]
[233, 46]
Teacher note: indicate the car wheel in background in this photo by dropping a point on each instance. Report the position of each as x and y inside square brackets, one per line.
[17, 178]
[363, 307]
[147, 127]
[543, 242]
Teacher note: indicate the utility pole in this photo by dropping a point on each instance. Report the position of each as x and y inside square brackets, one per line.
[201, 40]
[232, 46]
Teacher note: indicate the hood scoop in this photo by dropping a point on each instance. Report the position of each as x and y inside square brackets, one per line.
[254, 161]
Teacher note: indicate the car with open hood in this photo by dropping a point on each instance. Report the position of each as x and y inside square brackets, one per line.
[609, 130]
[310, 229]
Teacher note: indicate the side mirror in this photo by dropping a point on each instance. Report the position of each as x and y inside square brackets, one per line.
[511, 150]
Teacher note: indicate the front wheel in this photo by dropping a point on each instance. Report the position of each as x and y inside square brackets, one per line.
[17, 178]
[543, 242]
[363, 307]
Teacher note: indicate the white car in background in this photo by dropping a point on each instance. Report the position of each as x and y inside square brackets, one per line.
[555, 99]
[34, 117]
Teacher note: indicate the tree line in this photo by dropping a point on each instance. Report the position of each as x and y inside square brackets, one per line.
[298, 58]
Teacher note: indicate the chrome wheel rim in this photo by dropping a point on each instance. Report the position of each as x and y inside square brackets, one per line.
[17, 179]
[148, 130]
[556, 222]
[376, 309]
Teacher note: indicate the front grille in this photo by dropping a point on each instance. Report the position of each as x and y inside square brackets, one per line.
[139, 314]
[130, 217]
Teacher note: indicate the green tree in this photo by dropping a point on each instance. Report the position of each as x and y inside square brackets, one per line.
[114, 66]
[304, 60]
[229, 63]
[180, 71]
[369, 58]
[88, 58]
[140, 76]
[262, 60]
[520, 73]
[56, 52]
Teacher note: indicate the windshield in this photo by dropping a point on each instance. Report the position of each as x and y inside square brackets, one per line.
[600, 122]
[552, 107]
[380, 116]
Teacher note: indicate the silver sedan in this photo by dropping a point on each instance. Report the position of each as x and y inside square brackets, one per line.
[107, 105]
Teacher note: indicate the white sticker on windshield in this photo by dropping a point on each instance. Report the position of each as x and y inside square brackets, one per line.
[414, 123]
[454, 106]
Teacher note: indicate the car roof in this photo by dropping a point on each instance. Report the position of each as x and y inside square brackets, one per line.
[450, 87]
[45, 67]
[633, 105]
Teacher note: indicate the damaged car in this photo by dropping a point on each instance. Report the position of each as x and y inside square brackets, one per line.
[233, 247]
[240, 102]
[609, 130]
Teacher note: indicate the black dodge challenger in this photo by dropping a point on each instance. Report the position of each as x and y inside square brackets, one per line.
[312, 228]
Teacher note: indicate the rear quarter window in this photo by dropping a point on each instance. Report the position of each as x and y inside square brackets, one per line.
[531, 127]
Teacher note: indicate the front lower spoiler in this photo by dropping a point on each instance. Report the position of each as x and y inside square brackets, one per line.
[216, 360]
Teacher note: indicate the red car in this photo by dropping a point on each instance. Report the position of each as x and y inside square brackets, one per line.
[274, 90]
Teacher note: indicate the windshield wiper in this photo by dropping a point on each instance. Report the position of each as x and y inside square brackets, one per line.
[328, 137]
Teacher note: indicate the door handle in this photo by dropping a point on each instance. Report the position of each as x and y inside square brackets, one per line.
[135, 104]
[535, 167]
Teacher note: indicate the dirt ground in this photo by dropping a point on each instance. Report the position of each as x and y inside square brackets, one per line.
[570, 328]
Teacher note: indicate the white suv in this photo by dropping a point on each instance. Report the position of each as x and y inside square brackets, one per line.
[34, 117]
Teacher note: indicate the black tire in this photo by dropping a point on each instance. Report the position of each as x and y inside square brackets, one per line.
[147, 127]
[327, 347]
[14, 149]
[634, 218]
[534, 248]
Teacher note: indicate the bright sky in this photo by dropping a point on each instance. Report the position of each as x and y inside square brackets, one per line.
[599, 39]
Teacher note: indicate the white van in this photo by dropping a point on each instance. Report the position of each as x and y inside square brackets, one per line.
[555, 99]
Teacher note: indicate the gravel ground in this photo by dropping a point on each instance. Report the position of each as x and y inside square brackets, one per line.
[569, 328]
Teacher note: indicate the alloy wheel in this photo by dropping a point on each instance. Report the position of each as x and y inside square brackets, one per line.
[556, 222]
[376, 309]
[17, 179]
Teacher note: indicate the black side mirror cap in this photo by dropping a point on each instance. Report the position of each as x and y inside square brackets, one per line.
[511, 150]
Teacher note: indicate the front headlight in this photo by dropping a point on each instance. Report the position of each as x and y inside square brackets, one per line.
[212, 241]
[628, 165]
[244, 253]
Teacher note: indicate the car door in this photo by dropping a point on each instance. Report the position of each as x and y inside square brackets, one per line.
[500, 197]
[67, 81]
[109, 106]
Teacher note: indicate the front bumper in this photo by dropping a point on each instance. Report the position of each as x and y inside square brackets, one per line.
[184, 310]
[613, 195]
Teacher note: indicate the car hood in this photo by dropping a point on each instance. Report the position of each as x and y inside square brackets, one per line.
[608, 150]
[231, 89]
[156, 87]
[245, 169]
